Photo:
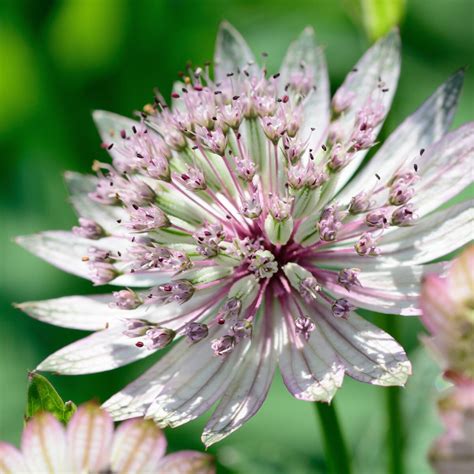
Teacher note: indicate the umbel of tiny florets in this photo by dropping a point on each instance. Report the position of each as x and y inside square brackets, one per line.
[232, 217]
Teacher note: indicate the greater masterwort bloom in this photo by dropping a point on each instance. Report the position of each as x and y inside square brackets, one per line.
[89, 444]
[229, 217]
[448, 313]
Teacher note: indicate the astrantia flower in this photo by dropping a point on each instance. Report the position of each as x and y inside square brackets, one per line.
[89, 444]
[448, 314]
[233, 212]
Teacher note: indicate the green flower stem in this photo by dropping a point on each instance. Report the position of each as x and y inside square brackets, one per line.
[395, 431]
[337, 456]
[395, 443]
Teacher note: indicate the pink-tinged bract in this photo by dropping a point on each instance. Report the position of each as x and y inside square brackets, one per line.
[89, 444]
[233, 216]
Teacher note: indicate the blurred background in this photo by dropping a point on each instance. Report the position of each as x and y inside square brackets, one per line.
[61, 59]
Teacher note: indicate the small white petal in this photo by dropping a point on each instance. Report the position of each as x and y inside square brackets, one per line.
[101, 351]
[135, 398]
[304, 51]
[79, 187]
[95, 312]
[393, 291]
[310, 369]
[250, 385]
[66, 251]
[445, 169]
[232, 52]
[369, 354]
[196, 385]
[89, 439]
[110, 125]
[432, 237]
[419, 130]
[138, 447]
[381, 61]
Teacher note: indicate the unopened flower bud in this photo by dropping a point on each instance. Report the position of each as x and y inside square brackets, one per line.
[136, 328]
[309, 289]
[177, 291]
[102, 272]
[88, 229]
[158, 338]
[192, 179]
[144, 219]
[359, 203]
[196, 331]
[342, 99]
[404, 216]
[400, 194]
[126, 299]
[341, 308]
[242, 329]
[251, 207]
[377, 218]
[224, 345]
[304, 326]
[367, 245]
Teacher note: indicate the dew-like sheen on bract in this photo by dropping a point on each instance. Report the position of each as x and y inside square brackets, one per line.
[234, 216]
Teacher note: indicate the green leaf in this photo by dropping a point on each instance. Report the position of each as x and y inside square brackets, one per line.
[42, 396]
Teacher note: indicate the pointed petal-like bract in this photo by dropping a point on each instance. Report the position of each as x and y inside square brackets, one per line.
[391, 291]
[101, 351]
[432, 237]
[89, 439]
[11, 460]
[135, 398]
[96, 312]
[110, 125]
[424, 127]
[369, 354]
[232, 52]
[444, 168]
[187, 462]
[66, 251]
[196, 385]
[138, 447]
[43, 443]
[310, 369]
[250, 385]
[305, 53]
[380, 62]
[79, 187]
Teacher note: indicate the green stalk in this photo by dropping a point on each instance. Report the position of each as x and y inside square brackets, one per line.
[395, 431]
[395, 443]
[337, 456]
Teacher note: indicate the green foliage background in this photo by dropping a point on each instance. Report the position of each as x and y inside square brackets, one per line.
[59, 60]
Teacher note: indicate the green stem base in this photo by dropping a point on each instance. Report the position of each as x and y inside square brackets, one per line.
[337, 456]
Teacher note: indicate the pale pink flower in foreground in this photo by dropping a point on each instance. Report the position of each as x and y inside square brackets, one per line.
[448, 313]
[89, 444]
[235, 212]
